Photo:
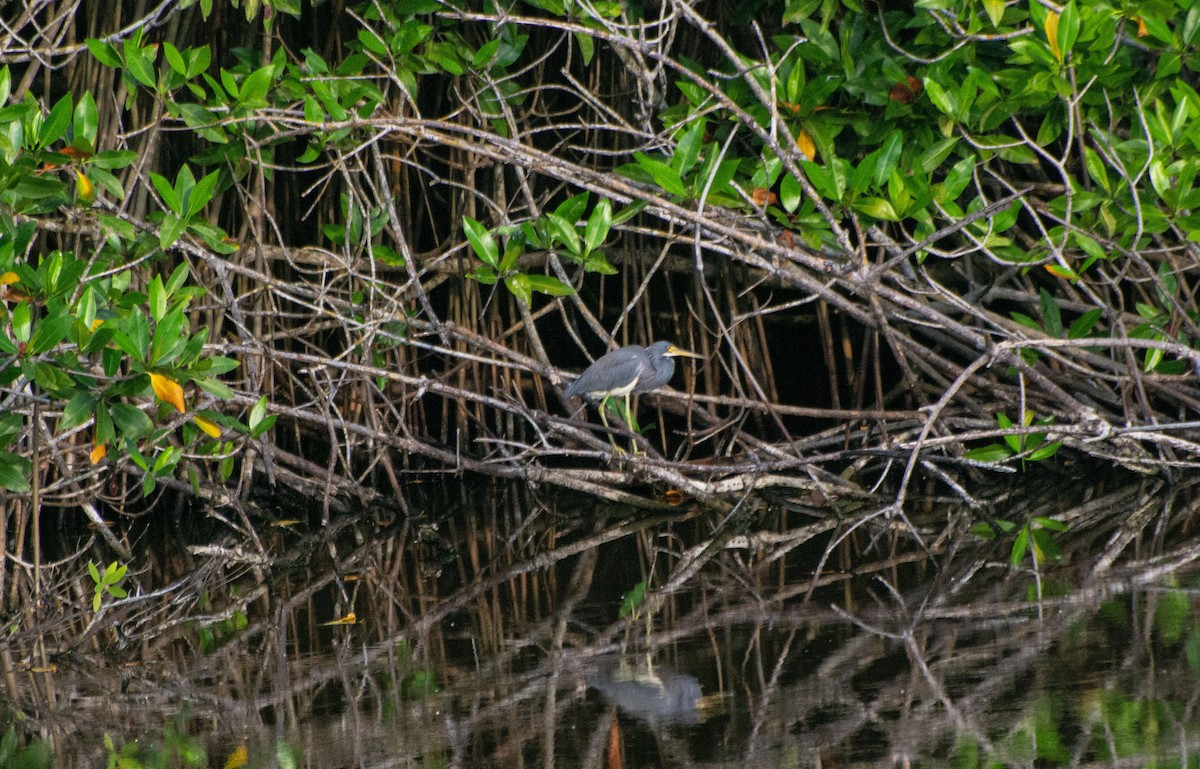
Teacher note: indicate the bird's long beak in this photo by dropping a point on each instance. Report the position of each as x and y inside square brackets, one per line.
[676, 352]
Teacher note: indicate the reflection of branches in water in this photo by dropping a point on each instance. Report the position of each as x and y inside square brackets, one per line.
[492, 605]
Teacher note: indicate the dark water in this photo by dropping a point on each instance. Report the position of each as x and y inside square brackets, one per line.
[497, 627]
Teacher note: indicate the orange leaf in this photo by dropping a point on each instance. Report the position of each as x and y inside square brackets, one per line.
[805, 144]
[1142, 31]
[98, 453]
[672, 497]
[907, 91]
[168, 391]
[208, 428]
[1051, 29]
[1058, 271]
[762, 196]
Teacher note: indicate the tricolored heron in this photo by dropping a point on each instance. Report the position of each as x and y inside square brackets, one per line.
[627, 372]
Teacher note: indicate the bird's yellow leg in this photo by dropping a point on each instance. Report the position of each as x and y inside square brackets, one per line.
[633, 427]
[608, 430]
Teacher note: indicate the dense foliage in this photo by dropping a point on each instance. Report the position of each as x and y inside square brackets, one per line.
[436, 204]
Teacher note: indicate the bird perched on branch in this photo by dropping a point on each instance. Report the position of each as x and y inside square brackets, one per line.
[627, 372]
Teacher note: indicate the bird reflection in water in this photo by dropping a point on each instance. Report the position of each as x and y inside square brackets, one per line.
[655, 695]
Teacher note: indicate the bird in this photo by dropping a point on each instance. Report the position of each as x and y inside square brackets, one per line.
[625, 372]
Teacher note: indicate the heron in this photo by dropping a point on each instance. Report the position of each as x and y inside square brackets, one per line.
[626, 372]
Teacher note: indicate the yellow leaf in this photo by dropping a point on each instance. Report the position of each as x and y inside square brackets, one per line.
[237, 759]
[96, 323]
[98, 453]
[805, 144]
[168, 391]
[209, 429]
[349, 619]
[9, 278]
[87, 190]
[1052, 35]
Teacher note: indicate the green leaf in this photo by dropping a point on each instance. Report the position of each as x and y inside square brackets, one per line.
[993, 452]
[373, 42]
[175, 59]
[158, 298]
[1051, 316]
[941, 98]
[132, 422]
[167, 192]
[138, 63]
[199, 196]
[790, 193]
[172, 228]
[55, 124]
[217, 365]
[889, 157]
[518, 284]
[1020, 547]
[49, 332]
[198, 60]
[1014, 441]
[878, 208]
[77, 411]
[664, 176]
[168, 335]
[547, 284]
[820, 37]
[1172, 615]
[482, 242]
[14, 472]
[598, 225]
[254, 88]
[483, 56]
[573, 207]
[565, 232]
[1045, 452]
[587, 47]
[1084, 324]
[104, 53]
[687, 151]
[633, 600]
[1096, 168]
[628, 212]
[113, 159]
[258, 413]
[1068, 28]
[995, 11]
[22, 322]
[86, 120]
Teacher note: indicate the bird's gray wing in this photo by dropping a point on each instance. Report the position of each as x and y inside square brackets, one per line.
[609, 372]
